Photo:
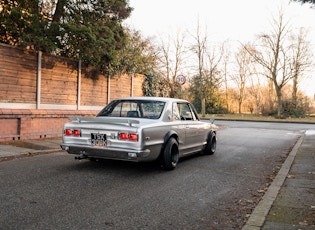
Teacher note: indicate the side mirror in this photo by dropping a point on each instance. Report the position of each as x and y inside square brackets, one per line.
[211, 121]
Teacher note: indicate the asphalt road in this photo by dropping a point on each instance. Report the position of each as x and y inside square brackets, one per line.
[53, 191]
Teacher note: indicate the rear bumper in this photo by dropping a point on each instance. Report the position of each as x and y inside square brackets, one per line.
[109, 153]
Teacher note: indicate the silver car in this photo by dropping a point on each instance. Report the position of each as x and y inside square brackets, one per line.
[141, 129]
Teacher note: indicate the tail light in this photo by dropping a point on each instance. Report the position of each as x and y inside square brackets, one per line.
[128, 136]
[68, 132]
[123, 136]
[133, 136]
[77, 132]
[72, 132]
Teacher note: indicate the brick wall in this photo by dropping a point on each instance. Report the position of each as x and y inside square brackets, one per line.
[19, 124]
[9, 128]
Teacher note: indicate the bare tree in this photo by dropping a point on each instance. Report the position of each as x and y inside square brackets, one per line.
[312, 2]
[243, 65]
[301, 60]
[200, 48]
[171, 59]
[272, 55]
[255, 91]
[225, 74]
[207, 79]
[213, 69]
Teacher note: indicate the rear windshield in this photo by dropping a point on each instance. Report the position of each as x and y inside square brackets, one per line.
[133, 108]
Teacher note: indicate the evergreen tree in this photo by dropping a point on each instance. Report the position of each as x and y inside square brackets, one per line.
[87, 29]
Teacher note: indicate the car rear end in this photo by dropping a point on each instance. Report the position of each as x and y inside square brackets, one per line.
[119, 139]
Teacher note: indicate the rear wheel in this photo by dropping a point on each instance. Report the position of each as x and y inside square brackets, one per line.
[211, 145]
[170, 154]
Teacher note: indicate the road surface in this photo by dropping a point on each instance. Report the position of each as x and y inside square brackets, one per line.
[53, 191]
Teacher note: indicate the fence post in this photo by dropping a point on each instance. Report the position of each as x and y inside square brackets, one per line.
[108, 88]
[79, 86]
[39, 79]
[132, 76]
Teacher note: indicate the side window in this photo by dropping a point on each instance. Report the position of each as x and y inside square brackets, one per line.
[175, 115]
[185, 111]
[194, 112]
[152, 109]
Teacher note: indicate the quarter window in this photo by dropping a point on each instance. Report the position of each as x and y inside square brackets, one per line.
[185, 111]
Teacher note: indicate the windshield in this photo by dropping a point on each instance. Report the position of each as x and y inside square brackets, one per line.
[133, 108]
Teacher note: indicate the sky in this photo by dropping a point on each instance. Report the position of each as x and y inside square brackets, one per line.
[230, 20]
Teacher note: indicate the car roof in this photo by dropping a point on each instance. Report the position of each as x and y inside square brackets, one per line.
[147, 98]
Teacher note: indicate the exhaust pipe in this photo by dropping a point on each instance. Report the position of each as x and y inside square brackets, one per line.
[80, 157]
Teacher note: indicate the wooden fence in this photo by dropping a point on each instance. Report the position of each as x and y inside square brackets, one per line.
[38, 92]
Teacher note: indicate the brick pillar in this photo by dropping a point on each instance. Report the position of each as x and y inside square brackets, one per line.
[25, 125]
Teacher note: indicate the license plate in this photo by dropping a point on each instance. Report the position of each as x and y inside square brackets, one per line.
[98, 139]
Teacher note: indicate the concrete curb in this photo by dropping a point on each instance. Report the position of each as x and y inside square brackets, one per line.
[27, 153]
[258, 217]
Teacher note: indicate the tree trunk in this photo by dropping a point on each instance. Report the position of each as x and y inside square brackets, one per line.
[271, 96]
[279, 100]
[257, 105]
[240, 101]
[294, 91]
[240, 106]
[203, 107]
[59, 12]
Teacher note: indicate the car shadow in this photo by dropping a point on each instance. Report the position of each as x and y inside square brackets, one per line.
[107, 165]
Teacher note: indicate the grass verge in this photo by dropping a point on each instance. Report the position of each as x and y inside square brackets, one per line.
[251, 117]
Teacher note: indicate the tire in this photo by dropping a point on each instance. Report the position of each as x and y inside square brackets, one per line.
[211, 145]
[170, 154]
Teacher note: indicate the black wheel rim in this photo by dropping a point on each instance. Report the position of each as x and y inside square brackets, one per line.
[174, 156]
[213, 145]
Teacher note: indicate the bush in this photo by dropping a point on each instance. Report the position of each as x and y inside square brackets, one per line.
[296, 109]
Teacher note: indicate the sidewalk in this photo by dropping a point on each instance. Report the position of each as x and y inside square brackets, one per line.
[288, 204]
[14, 149]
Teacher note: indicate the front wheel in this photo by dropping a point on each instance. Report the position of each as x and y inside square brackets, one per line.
[170, 154]
[211, 145]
